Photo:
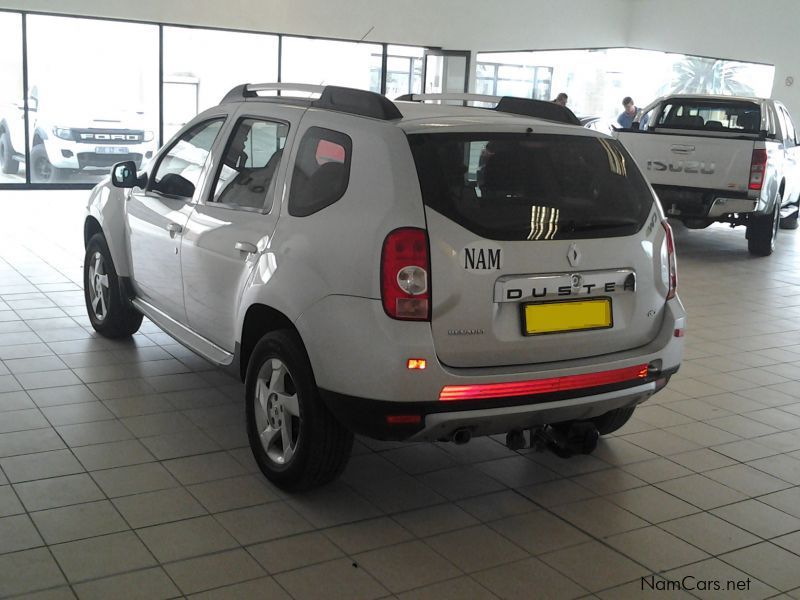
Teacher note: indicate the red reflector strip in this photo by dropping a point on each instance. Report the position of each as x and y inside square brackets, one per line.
[403, 419]
[541, 386]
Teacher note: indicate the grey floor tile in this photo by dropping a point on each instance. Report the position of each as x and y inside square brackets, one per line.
[135, 479]
[22, 420]
[9, 503]
[594, 566]
[263, 523]
[22, 442]
[368, 535]
[741, 584]
[72, 394]
[185, 539]
[78, 521]
[47, 379]
[433, 520]
[205, 467]
[176, 445]
[294, 552]
[71, 414]
[102, 556]
[758, 518]
[97, 432]
[58, 491]
[40, 465]
[11, 401]
[333, 505]
[516, 580]
[113, 454]
[599, 517]
[263, 588]
[495, 549]
[28, 571]
[215, 570]
[656, 549]
[710, 533]
[334, 580]
[768, 563]
[147, 584]
[540, 531]
[18, 533]
[234, 492]
[151, 508]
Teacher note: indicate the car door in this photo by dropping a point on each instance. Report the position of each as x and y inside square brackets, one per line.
[230, 229]
[157, 215]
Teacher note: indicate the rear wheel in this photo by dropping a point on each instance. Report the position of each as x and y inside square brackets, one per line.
[297, 443]
[109, 311]
[763, 231]
[8, 164]
[612, 420]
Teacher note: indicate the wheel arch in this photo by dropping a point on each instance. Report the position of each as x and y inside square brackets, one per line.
[259, 320]
[91, 226]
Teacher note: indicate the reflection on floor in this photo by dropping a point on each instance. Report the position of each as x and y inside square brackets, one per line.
[124, 467]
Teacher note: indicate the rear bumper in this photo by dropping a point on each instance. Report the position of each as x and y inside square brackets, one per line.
[438, 420]
[698, 203]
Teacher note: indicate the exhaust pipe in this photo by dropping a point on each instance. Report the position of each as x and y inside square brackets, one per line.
[461, 436]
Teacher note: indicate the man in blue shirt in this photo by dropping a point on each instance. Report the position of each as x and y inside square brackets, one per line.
[626, 117]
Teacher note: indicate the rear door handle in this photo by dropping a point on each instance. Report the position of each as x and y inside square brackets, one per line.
[246, 247]
[174, 228]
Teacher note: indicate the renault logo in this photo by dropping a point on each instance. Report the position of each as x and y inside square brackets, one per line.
[574, 255]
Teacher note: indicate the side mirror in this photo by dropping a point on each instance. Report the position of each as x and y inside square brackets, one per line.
[635, 125]
[123, 175]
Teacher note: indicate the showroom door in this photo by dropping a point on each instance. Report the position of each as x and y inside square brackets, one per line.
[158, 214]
[230, 228]
[445, 71]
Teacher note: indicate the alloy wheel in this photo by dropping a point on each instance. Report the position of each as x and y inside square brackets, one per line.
[277, 411]
[97, 285]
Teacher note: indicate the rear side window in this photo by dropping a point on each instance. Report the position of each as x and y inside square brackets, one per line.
[321, 171]
[729, 116]
[532, 186]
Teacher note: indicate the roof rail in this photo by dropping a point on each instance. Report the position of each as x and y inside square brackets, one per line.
[331, 97]
[540, 109]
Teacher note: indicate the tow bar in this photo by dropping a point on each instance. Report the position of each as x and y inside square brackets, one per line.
[563, 440]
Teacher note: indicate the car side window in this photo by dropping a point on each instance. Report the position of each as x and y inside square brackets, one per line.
[789, 138]
[321, 171]
[247, 175]
[178, 171]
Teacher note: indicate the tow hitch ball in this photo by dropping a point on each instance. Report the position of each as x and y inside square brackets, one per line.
[564, 440]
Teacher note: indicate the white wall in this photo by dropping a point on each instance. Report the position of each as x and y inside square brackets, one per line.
[452, 24]
[766, 31]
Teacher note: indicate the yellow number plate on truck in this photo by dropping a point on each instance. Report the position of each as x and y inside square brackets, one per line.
[566, 315]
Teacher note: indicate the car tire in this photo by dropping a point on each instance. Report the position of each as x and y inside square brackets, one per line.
[791, 222]
[110, 312]
[42, 171]
[8, 164]
[612, 420]
[296, 442]
[763, 231]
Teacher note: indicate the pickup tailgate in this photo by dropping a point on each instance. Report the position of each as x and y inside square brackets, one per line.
[717, 163]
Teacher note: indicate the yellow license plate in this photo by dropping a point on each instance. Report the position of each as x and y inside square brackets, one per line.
[561, 316]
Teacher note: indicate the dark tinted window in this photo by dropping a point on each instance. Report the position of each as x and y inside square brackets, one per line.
[248, 172]
[321, 171]
[532, 187]
[730, 116]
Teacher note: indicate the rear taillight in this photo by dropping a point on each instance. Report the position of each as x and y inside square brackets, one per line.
[405, 279]
[668, 261]
[758, 166]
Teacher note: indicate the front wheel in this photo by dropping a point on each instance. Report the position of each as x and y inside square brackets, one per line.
[763, 231]
[8, 164]
[296, 442]
[109, 311]
[42, 170]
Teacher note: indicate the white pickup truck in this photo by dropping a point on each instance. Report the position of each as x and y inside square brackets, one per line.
[721, 158]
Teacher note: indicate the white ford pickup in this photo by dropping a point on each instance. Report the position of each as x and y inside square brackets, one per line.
[721, 158]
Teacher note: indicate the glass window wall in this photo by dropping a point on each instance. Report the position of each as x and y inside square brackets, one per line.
[12, 108]
[198, 73]
[328, 62]
[91, 102]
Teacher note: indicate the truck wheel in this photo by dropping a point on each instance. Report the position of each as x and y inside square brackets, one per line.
[612, 420]
[8, 164]
[42, 171]
[791, 221]
[296, 441]
[110, 313]
[763, 231]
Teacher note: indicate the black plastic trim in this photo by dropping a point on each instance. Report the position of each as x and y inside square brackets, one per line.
[540, 109]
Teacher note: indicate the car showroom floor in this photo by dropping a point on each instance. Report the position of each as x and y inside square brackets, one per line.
[124, 471]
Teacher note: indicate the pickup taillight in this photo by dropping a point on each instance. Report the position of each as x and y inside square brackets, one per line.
[758, 166]
[672, 265]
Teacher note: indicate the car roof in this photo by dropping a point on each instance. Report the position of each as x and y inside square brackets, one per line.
[714, 97]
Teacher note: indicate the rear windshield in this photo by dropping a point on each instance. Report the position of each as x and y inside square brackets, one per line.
[532, 186]
[716, 115]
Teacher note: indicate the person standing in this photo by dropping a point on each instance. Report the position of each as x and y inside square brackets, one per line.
[626, 117]
[561, 99]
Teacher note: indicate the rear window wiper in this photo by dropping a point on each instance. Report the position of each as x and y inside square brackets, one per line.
[594, 225]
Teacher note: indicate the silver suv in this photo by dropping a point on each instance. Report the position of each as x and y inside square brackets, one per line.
[402, 270]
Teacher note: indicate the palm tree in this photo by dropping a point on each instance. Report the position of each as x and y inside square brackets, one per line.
[695, 75]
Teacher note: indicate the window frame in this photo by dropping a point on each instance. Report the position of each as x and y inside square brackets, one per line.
[159, 158]
[207, 199]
